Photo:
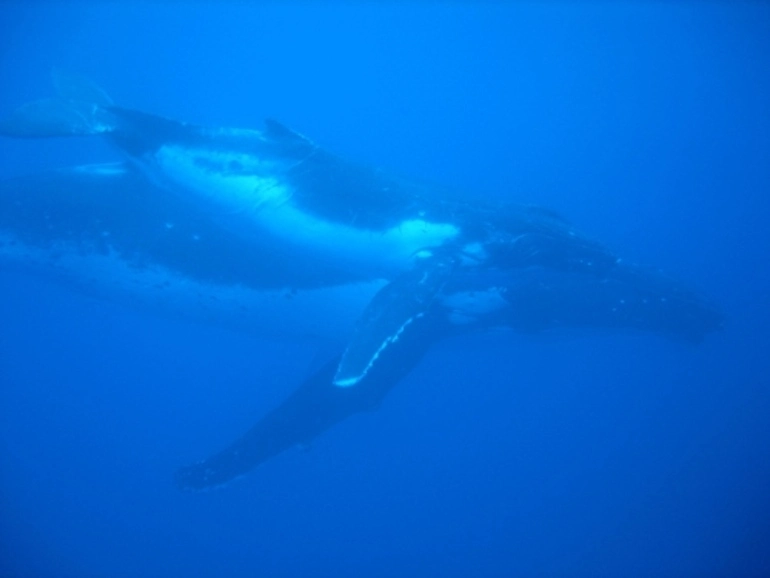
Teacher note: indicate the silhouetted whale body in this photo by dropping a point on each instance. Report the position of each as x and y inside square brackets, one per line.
[266, 231]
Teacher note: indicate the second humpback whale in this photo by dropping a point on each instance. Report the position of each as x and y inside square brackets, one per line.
[266, 231]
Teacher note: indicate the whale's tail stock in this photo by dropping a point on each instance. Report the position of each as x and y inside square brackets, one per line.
[79, 108]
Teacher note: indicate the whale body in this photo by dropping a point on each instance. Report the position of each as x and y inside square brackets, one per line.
[265, 231]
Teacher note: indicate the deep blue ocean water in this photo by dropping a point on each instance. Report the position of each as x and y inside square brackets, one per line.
[587, 454]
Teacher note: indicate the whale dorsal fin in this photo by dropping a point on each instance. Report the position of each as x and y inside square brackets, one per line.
[279, 131]
[397, 309]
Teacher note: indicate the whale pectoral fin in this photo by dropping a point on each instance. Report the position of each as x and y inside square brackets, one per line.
[312, 409]
[318, 404]
[398, 309]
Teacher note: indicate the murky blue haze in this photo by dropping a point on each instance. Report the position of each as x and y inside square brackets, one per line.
[578, 454]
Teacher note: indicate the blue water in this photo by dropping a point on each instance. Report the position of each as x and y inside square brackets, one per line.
[591, 454]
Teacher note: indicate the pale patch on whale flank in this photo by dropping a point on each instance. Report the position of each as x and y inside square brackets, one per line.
[255, 194]
[102, 169]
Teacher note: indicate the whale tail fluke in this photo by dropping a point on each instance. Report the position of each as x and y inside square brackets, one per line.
[80, 108]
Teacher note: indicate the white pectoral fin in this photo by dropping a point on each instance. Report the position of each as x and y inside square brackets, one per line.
[396, 311]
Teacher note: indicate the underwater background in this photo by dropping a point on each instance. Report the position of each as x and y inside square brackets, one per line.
[578, 454]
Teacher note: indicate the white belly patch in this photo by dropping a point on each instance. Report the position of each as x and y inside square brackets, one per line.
[255, 200]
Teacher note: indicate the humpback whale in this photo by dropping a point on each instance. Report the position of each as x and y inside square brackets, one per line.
[264, 230]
